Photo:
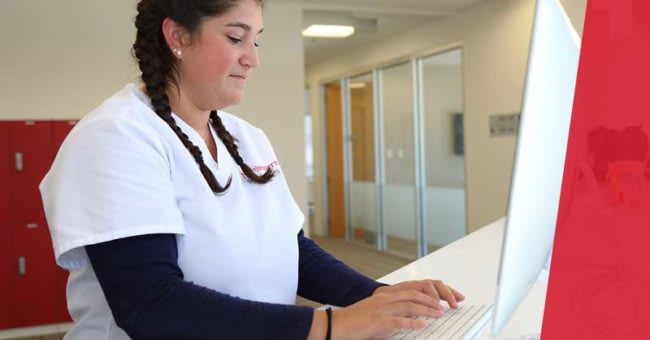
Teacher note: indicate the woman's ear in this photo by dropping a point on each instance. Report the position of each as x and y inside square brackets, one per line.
[175, 36]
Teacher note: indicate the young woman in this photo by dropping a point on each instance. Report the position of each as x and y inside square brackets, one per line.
[174, 217]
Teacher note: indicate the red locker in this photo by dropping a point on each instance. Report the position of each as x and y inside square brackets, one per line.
[4, 173]
[60, 131]
[8, 270]
[30, 148]
[8, 267]
[35, 286]
[62, 314]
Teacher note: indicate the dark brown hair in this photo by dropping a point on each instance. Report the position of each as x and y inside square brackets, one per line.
[160, 70]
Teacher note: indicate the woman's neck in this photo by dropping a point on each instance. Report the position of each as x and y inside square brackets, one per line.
[189, 113]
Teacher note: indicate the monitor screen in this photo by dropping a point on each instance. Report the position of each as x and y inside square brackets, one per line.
[539, 158]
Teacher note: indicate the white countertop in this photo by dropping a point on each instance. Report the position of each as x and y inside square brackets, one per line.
[471, 265]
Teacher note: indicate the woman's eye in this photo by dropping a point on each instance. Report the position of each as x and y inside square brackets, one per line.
[234, 39]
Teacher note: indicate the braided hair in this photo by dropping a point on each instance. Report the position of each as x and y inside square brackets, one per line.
[159, 70]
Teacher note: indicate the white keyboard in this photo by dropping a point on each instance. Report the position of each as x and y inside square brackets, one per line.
[462, 323]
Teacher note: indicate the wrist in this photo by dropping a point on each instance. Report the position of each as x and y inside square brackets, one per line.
[328, 312]
[379, 289]
[318, 328]
[340, 329]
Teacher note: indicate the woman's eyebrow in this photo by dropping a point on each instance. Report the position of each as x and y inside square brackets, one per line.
[244, 26]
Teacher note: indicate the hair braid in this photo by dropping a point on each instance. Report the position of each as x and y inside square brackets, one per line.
[229, 141]
[155, 63]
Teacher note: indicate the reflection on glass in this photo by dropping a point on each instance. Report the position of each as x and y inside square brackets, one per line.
[444, 206]
[399, 191]
[363, 191]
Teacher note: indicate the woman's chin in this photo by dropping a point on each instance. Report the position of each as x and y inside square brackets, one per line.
[233, 100]
[225, 102]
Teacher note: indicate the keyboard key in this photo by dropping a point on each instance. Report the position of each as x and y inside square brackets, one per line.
[453, 324]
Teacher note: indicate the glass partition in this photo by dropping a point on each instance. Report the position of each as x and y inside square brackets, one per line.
[444, 159]
[363, 190]
[399, 190]
[374, 195]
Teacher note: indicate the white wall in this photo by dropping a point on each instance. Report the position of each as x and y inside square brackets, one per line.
[495, 37]
[62, 58]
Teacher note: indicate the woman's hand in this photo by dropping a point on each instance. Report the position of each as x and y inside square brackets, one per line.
[434, 288]
[388, 309]
[383, 313]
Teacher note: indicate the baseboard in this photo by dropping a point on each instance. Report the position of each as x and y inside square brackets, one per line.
[35, 331]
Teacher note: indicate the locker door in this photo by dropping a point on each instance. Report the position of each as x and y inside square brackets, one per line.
[61, 128]
[4, 173]
[60, 131]
[35, 287]
[30, 146]
[7, 265]
[61, 313]
[8, 270]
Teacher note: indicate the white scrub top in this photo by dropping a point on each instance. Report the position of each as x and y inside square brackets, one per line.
[123, 172]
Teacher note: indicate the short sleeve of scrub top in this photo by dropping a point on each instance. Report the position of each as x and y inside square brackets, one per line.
[112, 181]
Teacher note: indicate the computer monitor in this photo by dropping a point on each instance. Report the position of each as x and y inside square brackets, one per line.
[539, 157]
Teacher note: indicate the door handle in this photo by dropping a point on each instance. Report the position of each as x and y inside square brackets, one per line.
[22, 266]
[19, 161]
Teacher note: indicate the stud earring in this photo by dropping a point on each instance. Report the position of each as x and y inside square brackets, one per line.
[177, 52]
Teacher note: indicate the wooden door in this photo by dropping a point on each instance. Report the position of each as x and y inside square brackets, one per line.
[335, 179]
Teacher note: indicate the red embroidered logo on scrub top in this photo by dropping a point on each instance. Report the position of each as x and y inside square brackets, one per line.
[261, 169]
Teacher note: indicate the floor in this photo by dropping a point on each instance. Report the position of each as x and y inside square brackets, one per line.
[360, 257]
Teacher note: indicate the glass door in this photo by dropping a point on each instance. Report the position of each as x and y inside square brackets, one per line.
[444, 159]
[363, 190]
[398, 203]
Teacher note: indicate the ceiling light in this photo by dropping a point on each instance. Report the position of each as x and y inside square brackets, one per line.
[358, 85]
[328, 31]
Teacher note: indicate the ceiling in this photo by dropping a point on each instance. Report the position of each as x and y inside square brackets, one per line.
[373, 20]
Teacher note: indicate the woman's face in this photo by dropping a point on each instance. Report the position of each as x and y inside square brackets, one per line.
[215, 65]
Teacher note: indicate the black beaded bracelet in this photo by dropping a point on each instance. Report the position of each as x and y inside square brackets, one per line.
[328, 336]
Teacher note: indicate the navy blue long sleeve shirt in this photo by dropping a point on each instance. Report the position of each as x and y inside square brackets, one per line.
[149, 299]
